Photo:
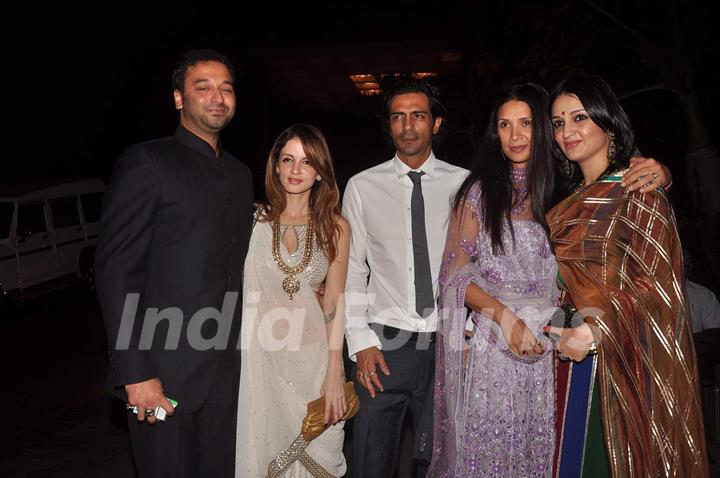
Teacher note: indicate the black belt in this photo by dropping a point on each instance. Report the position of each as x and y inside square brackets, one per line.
[392, 333]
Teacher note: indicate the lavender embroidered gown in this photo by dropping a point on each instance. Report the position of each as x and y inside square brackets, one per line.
[495, 418]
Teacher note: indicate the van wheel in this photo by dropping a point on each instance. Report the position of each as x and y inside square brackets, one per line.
[87, 276]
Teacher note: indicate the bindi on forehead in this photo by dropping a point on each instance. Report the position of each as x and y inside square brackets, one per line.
[563, 113]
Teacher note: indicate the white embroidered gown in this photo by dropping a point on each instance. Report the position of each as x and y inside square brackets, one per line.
[284, 360]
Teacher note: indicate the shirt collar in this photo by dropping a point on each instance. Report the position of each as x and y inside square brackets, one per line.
[428, 167]
[196, 143]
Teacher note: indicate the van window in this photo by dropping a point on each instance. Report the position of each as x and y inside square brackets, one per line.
[64, 212]
[91, 204]
[31, 218]
[6, 214]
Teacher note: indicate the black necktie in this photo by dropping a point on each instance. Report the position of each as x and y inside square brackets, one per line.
[424, 297]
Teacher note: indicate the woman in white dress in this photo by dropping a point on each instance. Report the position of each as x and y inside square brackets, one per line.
[291, 339]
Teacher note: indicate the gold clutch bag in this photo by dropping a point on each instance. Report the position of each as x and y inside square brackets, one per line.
[313, 426]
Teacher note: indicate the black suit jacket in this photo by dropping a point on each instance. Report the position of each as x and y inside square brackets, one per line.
[175, 228]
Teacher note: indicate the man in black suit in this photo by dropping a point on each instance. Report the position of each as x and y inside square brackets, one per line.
[176, 221]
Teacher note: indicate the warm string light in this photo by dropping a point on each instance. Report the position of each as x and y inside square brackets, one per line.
[368, 85]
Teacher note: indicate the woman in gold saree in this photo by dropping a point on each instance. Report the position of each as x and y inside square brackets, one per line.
[291, 342]
[634, 408]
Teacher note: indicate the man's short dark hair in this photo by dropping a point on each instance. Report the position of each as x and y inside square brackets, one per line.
[411, 85]
[408, 84]
[191, 58]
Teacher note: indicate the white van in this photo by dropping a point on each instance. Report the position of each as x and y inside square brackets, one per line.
[47, 231]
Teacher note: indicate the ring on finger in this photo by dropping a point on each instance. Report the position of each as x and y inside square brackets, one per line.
[370, 374]
[654, 175]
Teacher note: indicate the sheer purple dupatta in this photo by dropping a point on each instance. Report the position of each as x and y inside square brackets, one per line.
[456, 272]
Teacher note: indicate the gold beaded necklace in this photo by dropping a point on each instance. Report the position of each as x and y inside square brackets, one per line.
[291, 284]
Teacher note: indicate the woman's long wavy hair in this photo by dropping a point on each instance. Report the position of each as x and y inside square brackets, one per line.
[492, 170]
[324, 196]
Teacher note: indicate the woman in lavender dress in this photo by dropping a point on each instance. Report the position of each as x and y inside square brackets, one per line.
[494, 386]
[494, 394]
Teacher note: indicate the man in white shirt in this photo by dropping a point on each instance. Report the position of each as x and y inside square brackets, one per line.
[398, 212]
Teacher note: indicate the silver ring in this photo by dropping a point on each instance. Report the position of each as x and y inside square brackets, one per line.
[370, 374]
[149, 412]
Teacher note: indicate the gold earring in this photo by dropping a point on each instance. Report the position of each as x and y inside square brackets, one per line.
[611, 147]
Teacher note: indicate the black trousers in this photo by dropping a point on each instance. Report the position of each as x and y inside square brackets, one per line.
[200, 444]
[377, 428]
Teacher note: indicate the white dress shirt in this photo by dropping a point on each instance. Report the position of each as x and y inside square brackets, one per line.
[377, 205]
[704, 307]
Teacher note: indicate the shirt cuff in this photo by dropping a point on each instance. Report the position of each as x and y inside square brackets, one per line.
[360, 340]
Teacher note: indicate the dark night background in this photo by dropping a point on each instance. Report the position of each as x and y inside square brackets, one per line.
[97, 82]
[99, 85]
[83, 83]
